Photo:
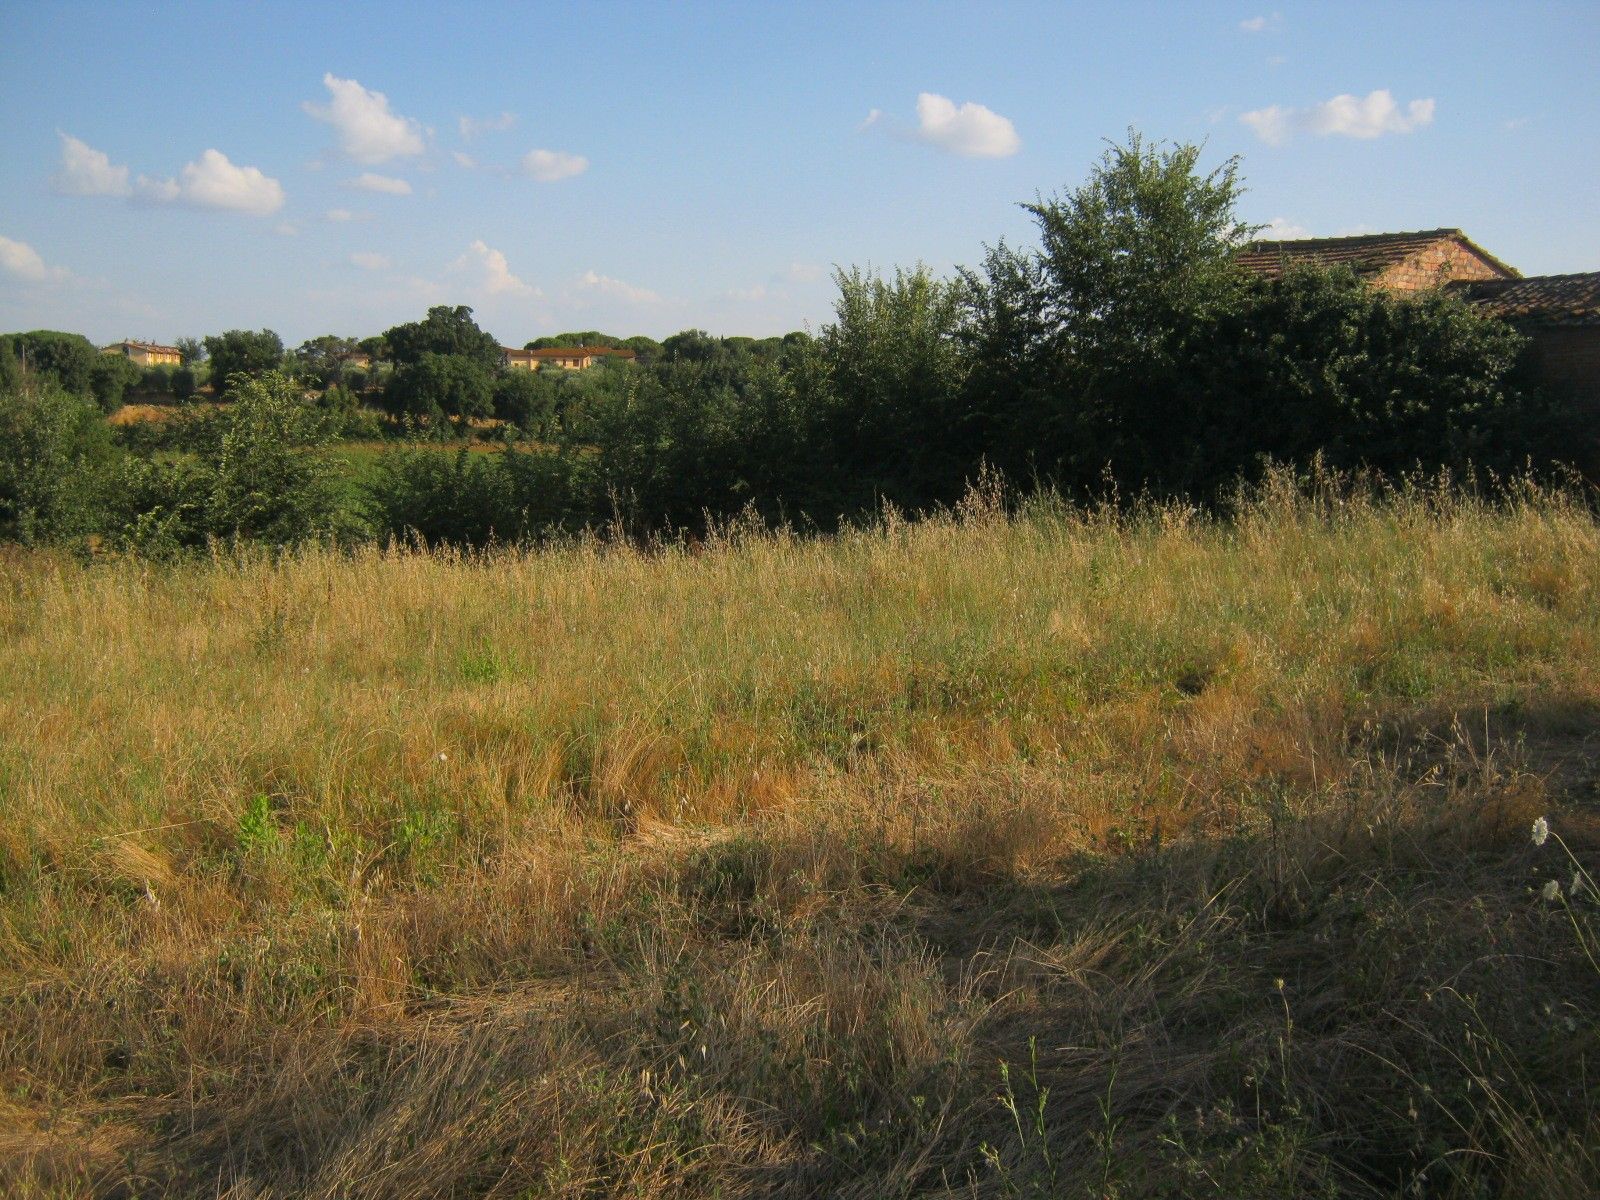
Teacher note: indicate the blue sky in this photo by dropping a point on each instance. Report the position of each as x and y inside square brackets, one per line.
[181, 169]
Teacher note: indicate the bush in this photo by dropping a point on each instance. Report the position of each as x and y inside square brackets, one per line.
[250, 478]
[54, 450]
[183, 383]
[527, 399]
[1317, 364]
[438, 386]
[109, 381]
[242, 352]
[475, 499]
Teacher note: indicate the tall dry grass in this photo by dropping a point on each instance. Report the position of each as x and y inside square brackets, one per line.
[1061, 853]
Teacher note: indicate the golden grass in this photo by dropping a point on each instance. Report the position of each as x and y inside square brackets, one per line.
[741, 868]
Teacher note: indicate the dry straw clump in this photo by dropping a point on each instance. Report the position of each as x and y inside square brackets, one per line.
[1050, 853]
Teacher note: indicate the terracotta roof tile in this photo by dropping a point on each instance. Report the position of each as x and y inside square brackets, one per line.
[1366, 254]
[1537, 299]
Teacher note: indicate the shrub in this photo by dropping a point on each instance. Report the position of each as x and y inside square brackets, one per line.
[467, 499]
[53, 450]
[250, 478]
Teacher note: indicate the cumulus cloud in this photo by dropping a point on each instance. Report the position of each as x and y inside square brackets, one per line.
[368, 261]
[970, 130]
[367, 181]
[489, 272]
[367, 131]
[606, 286]
[211, 181]
[465, 161]
[547, 166]
[1260, 24]
[472, 127]
[871, 119]
[86, 171]
[21, 261]
[341, 216]
[1280, 229]
[1365, 117]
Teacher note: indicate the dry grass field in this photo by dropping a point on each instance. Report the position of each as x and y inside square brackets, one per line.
[1054, 854]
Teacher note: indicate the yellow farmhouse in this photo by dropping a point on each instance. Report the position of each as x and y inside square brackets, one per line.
[146, 354]
[572, 358]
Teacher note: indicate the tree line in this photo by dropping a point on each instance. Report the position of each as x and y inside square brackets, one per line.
[1125, 349]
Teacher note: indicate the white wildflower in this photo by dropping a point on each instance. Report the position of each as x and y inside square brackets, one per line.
[443, 757]
[1551, 890]
[1541, 830]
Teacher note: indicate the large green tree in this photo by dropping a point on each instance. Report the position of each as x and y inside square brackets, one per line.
[441, 385]
[1081, 343]
[243, 352]
[445, 331]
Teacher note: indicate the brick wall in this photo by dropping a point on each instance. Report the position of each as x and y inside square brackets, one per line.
[1441, 262]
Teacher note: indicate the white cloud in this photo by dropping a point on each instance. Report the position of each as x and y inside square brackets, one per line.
[804, 272]
[285, 229]
[471, 127]
[387, 184]
[872, 118]
[971, 130]
[340, 216]
[607, 286]
[465, 161]
[1261, 24]
[1366, 117]
[369, 261]
[367, 131]
[1280, 229]
[86, 171]
[211, 181]
[1514, 123]
[547, 166]
[489, 272]
[21, 261]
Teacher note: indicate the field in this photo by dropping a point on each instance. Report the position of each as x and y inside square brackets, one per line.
[1058, 853]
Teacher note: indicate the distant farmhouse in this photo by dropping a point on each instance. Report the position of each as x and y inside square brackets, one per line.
[572, 358]
[1560, 314]
[146, 354]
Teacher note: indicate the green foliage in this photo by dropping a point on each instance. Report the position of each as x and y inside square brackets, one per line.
[156, 381]
[1316, 364]
[440, 385]
[527, 399]
[191, 351]
[110, 377]
[324, 359]
[242, 352]
[54, 451]
[445, 331]
[68, 359]
[183, 383]
[897, 375]
[249, 478]
[468, 499]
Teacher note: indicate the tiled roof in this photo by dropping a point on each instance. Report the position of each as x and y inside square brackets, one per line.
[578, 352]
[1366, 254]
[146, 346]
[1538, 299]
